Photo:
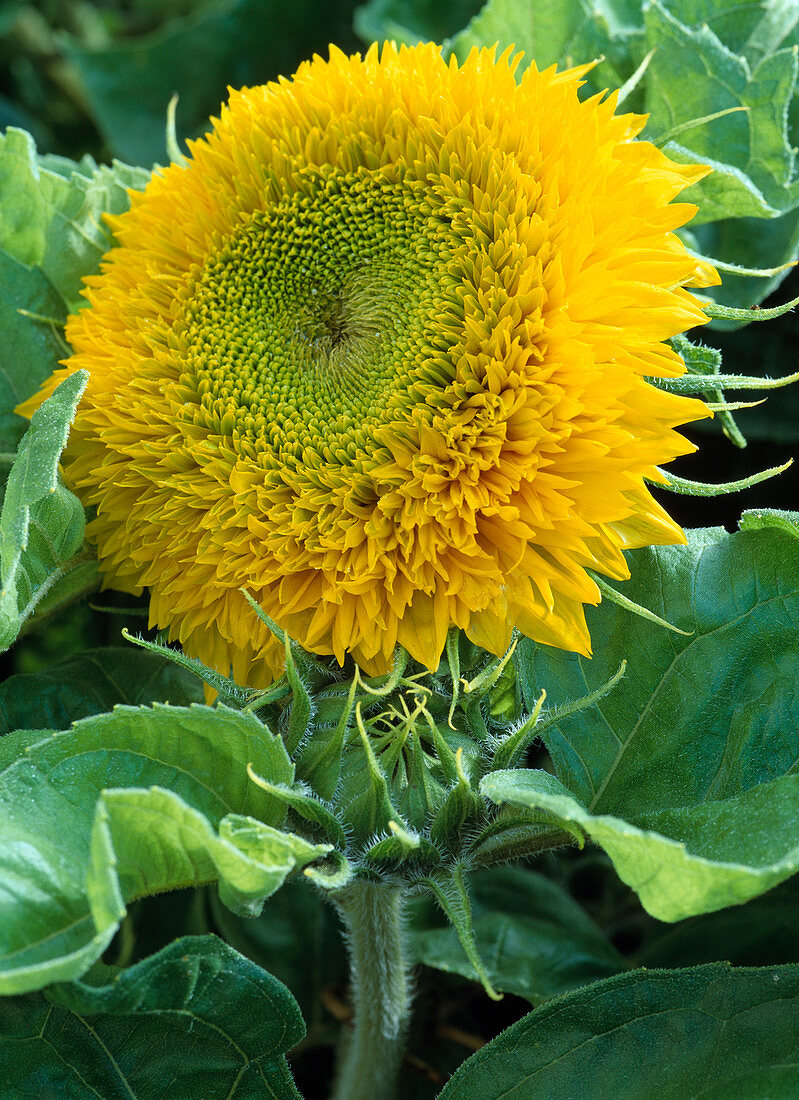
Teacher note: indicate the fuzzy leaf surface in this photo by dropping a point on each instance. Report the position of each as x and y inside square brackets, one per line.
[694, 74]
[698, 744]
[684, 861]
[52, 235]
[712, 1032]
[196, 1015]
[297, 938]
[52, 211]
[41, 523]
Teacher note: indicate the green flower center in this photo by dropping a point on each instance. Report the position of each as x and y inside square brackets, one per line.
[313, 318]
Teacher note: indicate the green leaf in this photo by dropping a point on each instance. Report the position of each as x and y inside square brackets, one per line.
[30, 349]
[684, 861]
[532, 938]
[127, 803]
[695, 718]
[41, 523]
[713, 1032]
[250, 860]
[765, 518]
[53, 219]
[196, 1015]
[90, 683]
[571, 32]
[693, 74]
[701, 728]
[52, 235]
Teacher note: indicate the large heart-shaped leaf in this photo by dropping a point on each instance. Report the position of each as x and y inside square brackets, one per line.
[711, 1032]
[684, 861]
[197, 1016]
[684, 772]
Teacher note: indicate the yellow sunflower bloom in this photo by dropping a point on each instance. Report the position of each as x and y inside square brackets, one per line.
[377, 353]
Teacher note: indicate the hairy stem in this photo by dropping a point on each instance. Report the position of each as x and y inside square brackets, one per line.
[379, 976]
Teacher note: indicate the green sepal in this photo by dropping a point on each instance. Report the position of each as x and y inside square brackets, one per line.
[612, 594]
[699, 383]
[334, 873]
[690, 488]
[444, 751]
[301, 710]
[229, 692]
[706, 362]
[726, 313]
[305, 661]
[557, 714]
[460, 805]
[486, 679]
[369, 805]
[474, 717]
[306, 805]
[171, 133]
[515, 744]
[332, 702]
[454, 661]
[504, 698]
[420, 788]
[449, 889]
[319, 761]
[384, 685]
[402, 844]
[516, 833]
[265, 697]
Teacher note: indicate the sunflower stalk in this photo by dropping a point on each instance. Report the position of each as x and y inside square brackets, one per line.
[380, 989]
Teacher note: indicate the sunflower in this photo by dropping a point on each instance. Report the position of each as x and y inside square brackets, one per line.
[378, 354]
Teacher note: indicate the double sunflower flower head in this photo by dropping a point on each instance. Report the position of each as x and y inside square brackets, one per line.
[379, 353]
